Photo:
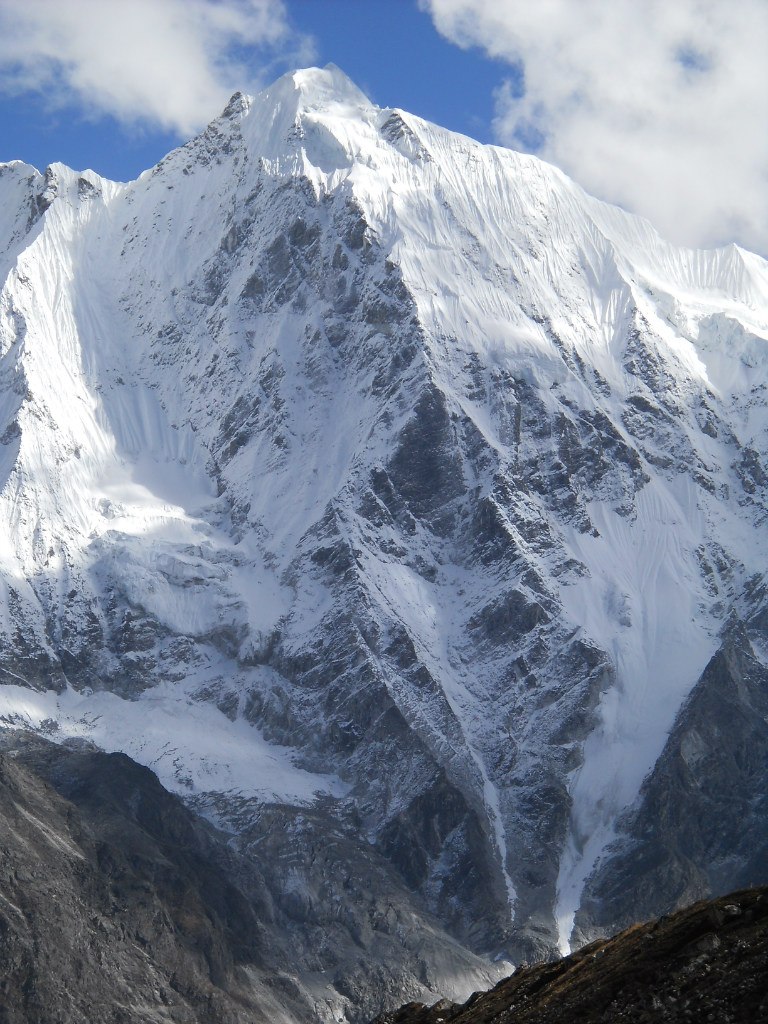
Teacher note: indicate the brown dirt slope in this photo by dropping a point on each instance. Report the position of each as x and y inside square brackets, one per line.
[706, 963]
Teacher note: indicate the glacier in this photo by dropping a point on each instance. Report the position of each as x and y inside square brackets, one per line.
[348, 463]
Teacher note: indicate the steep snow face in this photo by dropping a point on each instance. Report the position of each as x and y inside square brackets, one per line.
[395, 449]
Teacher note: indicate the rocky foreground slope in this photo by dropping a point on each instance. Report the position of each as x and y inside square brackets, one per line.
[380, 487]
[708, 962]
[118, 905]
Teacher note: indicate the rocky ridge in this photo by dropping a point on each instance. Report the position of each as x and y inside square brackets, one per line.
[704, 963]
[118, 905]
[337, 441]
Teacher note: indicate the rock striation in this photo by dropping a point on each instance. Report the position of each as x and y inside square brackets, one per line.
[119, 905]
[381, 487]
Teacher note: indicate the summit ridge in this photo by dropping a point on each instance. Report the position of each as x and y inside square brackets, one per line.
[339, 441]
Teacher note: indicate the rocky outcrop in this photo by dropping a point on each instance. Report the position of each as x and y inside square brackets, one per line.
[698, 827]
[118, 904]
[112, 906]
[399, 494]
[706, 962]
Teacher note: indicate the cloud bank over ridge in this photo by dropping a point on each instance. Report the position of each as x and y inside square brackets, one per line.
[661, 107]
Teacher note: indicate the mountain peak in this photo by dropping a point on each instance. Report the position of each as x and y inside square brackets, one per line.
[324, 96]
[328, 84]
[311, 89]
[340, 441]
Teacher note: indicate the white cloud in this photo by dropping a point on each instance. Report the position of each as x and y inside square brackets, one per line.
[170, 63]
[659, 105]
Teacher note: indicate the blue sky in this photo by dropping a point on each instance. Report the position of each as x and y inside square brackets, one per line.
[390, 48]
[394, 53]
[660, 107]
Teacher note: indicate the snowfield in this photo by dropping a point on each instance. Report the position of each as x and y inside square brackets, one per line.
[345, 458]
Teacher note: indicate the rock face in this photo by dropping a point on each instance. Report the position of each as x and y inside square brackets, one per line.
[366, 481]
[118, 904]
[698, 826]
[112, 908]
[706, 962]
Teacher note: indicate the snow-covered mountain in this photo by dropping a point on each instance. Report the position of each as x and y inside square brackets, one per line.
[353, 468]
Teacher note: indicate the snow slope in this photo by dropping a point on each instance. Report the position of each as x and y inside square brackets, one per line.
[394, 448]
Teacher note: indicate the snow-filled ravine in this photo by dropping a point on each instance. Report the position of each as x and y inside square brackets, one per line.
[345, 460]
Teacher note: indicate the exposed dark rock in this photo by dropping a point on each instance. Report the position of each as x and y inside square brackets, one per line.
[120, 905]
[112, 906]
[705, 963]
[698, 828]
